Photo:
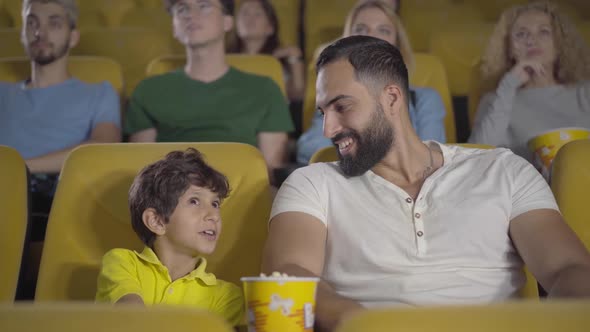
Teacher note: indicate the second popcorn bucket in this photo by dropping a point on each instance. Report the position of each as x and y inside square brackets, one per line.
[280, 304]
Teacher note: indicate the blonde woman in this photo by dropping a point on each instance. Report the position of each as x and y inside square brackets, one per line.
[378, 19]
[536, 73]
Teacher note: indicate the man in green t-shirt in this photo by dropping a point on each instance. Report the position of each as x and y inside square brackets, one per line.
[208, 101]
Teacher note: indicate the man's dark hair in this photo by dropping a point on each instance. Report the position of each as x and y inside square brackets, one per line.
[226, 5]
[160, 185]
[376, 62]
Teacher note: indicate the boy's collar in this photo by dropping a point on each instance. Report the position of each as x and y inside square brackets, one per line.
[199, 272]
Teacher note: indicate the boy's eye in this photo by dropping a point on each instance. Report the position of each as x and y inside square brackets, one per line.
[194, 201]
[216, 204]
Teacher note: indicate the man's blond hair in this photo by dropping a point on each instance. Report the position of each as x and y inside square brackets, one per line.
[69, 5]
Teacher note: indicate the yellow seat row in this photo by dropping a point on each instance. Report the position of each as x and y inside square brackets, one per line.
[549, 316]
[90, 317]
[147, 14]
[89, 215]
[563, 316]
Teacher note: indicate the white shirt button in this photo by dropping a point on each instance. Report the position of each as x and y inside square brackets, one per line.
[170, 290]
[420, 233]
[409, 200]
[417, 215]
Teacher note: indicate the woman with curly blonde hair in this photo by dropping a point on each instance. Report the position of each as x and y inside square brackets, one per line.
[536, 72]
[378, 18]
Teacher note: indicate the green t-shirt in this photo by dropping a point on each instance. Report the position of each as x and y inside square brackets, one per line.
[234, 108]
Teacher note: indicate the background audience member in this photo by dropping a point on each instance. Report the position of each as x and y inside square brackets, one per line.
[209, 101]
[536, 73]
[257, 32]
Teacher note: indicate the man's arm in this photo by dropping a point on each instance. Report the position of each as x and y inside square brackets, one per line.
[144, 136]
[274, 149]
[52, 162]
[296, 246]
[552, 252]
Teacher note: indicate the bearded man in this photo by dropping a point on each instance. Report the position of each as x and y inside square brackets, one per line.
[401, 222]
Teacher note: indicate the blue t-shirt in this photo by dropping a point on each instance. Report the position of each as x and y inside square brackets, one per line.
[427, 113]
[38, 121]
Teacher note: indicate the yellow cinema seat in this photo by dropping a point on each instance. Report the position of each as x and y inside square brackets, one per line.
[323, 21]
[14, 204]
[90, 213]
[422, 24]
[459, 47]
[547, 316]
[133, 48]
[90, 317]
[10, 43]
[570, 182]
[431, 73]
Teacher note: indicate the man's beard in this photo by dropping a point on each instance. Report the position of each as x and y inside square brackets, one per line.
[372, 144]
[45, 59]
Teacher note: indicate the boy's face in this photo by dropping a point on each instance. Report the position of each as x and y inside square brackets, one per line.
[198, 23]
[195, 224]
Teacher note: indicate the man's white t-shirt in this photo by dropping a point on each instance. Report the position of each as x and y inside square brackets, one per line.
[451, 246]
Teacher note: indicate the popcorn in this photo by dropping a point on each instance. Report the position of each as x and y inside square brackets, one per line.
[275, 274]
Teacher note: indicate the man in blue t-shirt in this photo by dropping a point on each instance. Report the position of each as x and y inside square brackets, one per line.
[49, 114]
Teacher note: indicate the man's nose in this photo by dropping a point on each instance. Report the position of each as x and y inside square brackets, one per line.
[332, 124]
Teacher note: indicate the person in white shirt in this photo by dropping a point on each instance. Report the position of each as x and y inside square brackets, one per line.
[398, 221]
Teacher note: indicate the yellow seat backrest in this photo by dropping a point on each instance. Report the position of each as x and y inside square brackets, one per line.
[13, 8]
[111, 11]
[264, 65]
[91, 317]
[546, 316]
[149, 4]
[570, 182]
[15, 215]
[288, 14]
[90, 69]
[133, 48]
[584, 28]
[5, 18]
[155, 18]
[322, 16]
[90, 215]
[11, 43]
[421, 33]
[491, 10]
[429, 72]
[459, 47]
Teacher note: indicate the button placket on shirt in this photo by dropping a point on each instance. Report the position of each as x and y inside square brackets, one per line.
[418, 220]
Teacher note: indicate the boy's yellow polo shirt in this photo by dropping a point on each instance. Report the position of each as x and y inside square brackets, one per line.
[129, 272]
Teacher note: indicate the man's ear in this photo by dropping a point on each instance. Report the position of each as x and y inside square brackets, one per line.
[153, 221]
[74, 38]
[228, 23]
[392, 99]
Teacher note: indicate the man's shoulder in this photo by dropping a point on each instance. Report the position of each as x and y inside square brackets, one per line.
[483, 155]
[319, 171]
